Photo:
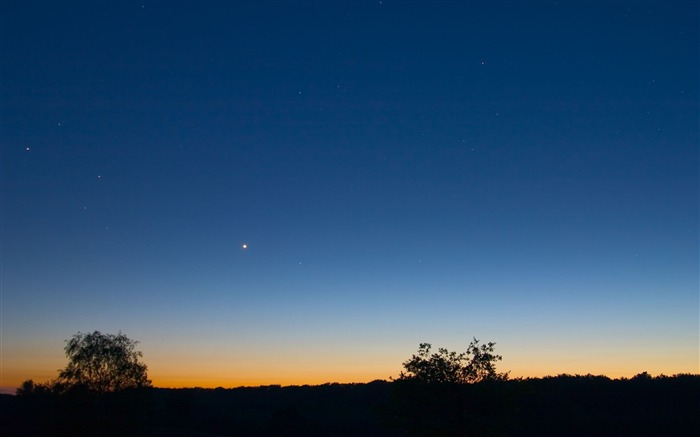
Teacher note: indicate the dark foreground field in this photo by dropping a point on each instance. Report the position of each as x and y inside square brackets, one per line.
[563, 405]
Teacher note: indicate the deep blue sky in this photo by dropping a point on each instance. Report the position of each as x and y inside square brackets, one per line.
[400, 171]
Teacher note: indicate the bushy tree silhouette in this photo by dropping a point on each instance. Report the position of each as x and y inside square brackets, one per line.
[477, 364]
[481, 363]
[103, 363]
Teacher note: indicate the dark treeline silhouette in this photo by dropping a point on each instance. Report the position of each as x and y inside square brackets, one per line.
[104, 391]
[563, 405]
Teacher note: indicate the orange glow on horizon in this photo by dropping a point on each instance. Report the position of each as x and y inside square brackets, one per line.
[204, 369]
[12, 381]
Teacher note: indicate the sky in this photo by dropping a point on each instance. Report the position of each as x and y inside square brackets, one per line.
[400, 172]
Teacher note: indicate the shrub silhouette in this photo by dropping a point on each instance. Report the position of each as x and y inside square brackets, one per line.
[476, 364]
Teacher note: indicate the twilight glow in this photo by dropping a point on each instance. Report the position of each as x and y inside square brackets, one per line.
[295, 193]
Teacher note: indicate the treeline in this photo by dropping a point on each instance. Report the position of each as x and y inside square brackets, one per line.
[564, 405]
[104, 390]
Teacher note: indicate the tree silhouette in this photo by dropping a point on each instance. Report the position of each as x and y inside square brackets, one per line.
[477, 364]
[103, 363]
[481, 364]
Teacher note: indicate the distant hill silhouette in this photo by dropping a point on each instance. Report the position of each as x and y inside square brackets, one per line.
[565, 405]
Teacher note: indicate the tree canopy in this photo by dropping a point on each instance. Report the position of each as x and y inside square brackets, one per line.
[103, 363]
[477, 363]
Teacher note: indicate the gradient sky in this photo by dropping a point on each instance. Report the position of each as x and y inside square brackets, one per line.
[401, 172]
